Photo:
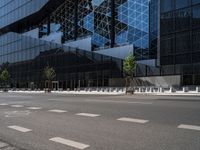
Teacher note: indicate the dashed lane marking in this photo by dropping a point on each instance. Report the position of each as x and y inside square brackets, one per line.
[57, 111]
[117, 101]
[34, 108]
[70, 143]
[17, 106]
[20, 129]
[17, 113]
[3, 104]
[189, 127]
[2, 144]
[133, 120]
[88, 115]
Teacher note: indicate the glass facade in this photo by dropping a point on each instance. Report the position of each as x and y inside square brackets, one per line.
[26, 58]
[180, 39]
[153, 28]
[132, 25]
[26, 54]
[14, 10]
[110, 23]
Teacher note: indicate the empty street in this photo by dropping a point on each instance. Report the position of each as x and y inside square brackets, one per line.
[92, 122]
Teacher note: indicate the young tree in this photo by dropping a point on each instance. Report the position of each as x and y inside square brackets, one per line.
[5, 76]
[129, 66]
[49, 74]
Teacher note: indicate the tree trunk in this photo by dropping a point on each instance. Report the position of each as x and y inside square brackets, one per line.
[49, 86]
[126, 84]
[132, 87]
[5, 88]
[131, 84]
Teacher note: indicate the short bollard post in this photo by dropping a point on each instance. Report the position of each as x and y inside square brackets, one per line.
[171, 90]
[151, 89]
[117, 89]
[161, 90]
[197, 89]
[146, 90]
[185, 89]
[140, 90]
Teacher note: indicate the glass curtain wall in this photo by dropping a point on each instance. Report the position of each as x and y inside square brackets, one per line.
[109, 23]
[132, 25]
[180, 39]
[26, 58]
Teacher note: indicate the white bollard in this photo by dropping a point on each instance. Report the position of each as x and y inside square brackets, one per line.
[151, 89]
[140, 90]
[111, 89]
[117, 89]
[185, 89]
[197, 89]
[161, 90]
[145, 89]
[171, 90]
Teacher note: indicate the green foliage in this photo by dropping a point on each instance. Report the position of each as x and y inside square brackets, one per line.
[129, 65]
[49, 73]
[5, 76]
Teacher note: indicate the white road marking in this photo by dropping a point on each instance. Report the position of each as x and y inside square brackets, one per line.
[2, 144]
[189, 127]
[133, 120]
[116, 101]
[3, 104]
[17, 113]
[20, 96]
[17, 106]
[54, 99]
[18, 128]
[88, 115]
[34, 108]
[57, 111]
[69, 143]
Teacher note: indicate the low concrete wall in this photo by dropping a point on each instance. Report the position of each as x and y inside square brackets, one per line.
[163, 81]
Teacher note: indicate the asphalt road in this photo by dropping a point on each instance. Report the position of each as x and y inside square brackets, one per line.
[91, 122]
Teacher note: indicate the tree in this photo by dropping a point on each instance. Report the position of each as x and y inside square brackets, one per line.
[5, 76]
[129, 66]
[49, 74]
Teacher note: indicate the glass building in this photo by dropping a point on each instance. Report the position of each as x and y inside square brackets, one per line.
[84, 40]
[180, 39]
[109, 23]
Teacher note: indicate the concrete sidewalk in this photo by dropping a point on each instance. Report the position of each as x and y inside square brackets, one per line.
[170, 94]
[178, 93]
[72, 92]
